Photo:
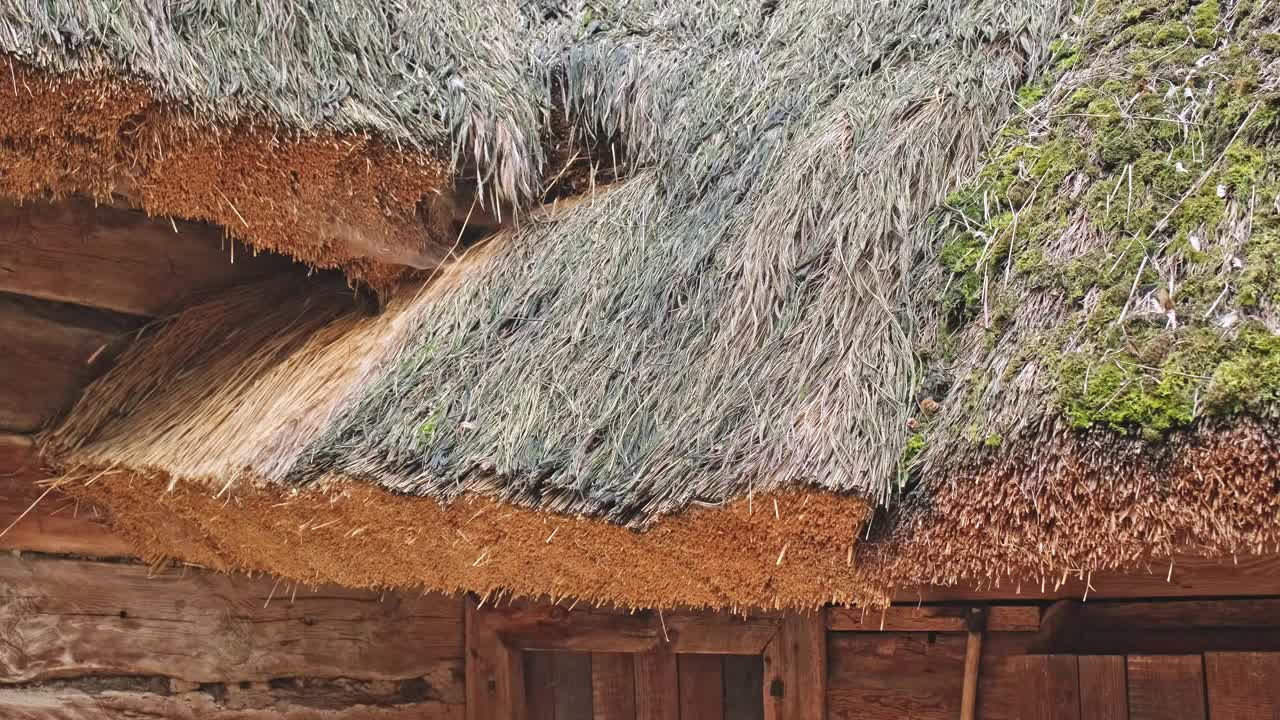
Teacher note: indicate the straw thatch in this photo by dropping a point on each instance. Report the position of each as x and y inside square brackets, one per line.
[798, 284]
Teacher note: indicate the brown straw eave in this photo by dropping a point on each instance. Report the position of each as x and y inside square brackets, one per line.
[1067, 504]
[329, 200]
[790, 549]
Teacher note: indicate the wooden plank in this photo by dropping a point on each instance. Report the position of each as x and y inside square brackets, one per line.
[72, 251]
[554, 627]
[51, 351]
[1103, 695]
[887, 676]
[63, 618]
[932, 618]
[1181, 614]
[71, 704]
[657, 686]
[1000, 675]
[1166, 687]
[701, 687]
[572, 685]
[46, 522]
[743, 687]
[494, 672]
[1243, 686]
[795, 669]
[1051, 687]
[1188, 577]
[613, 686]
[540, 685]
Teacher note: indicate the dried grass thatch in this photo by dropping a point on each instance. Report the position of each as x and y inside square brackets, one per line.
[759, 306]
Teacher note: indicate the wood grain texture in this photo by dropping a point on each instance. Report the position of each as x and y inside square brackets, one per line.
[51, 351]
[795, 669]
[572, 673]
[1051, 687]
[613, 686]
[46, 522]
[554, 627]
[743, 687]
[884, 676]
[70, 704]
[1189, 577]
[701, 687]
[1103, 692]
[495, 682]
[107, 257]
[540, 685]
[1243, 686]
[932, 618]
[64, 618]
[1166, 687]
[657, 686]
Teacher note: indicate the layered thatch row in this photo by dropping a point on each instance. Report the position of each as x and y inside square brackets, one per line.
[348, 201]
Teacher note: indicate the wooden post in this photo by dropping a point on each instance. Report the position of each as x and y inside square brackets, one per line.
[795, 669]
[977, 622]
[495, 672]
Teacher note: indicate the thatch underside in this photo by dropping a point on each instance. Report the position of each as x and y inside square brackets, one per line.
[779, 550]
[347, 201]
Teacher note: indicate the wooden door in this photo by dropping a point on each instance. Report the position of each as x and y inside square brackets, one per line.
[551, 663]
[643, 686]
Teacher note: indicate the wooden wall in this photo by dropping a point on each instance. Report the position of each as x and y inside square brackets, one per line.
[1107, 660]
[87, 633]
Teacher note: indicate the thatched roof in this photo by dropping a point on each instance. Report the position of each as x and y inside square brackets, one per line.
[797, 284]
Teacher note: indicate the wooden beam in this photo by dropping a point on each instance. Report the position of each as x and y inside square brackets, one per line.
[494, 672]
[74, 704]
[1183, 577]
[51, 351]
[932, 618]
[77, 252]
[553, 627]
[67, 618]
[37, 520]
[795, 669]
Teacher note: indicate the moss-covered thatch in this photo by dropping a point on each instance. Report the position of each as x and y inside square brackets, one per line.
[830, 266]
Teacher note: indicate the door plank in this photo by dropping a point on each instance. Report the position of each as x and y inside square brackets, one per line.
[1103, 695]
[701, 687]
[795, 669]
[657, 686]
[743, 687]
[572, 685]
[1051, 687]
[613, 686]
[1243, 686]
[540, 685]
[1166, 687]
[887, 676]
